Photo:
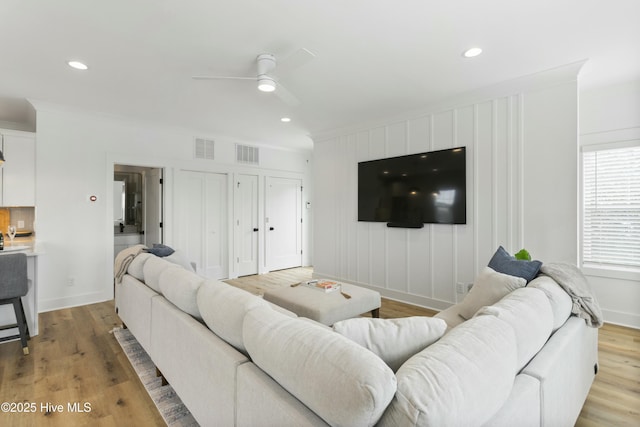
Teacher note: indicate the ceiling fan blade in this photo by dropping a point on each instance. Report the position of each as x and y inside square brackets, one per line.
[222, 78]
[296, 60]
[286, 96]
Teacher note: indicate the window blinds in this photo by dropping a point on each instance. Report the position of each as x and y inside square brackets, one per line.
[611, 220]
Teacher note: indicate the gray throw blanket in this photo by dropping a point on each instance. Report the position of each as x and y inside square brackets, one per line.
[571, 279]
[123, 259]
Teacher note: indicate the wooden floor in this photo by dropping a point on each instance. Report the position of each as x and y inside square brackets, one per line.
[76, 360]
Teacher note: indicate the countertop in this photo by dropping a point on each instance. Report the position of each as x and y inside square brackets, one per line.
[28, 246]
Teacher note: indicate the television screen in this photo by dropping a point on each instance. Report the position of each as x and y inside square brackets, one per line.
[409, 191]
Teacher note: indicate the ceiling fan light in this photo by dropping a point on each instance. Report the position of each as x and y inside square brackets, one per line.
[266, 84]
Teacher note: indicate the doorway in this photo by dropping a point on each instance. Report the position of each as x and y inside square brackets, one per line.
[137, 206]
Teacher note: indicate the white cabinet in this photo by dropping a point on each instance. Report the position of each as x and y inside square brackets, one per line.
[19, 170]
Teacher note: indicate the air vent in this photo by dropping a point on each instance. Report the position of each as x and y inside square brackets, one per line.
[247, 154]
[204, 149]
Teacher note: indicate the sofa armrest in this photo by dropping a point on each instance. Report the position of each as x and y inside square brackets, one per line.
[566, 368]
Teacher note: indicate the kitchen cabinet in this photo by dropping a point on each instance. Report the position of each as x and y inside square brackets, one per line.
[18, 174]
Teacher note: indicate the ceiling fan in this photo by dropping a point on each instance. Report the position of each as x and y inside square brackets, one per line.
[266, 77]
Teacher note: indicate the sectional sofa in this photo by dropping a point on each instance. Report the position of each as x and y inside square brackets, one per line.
[237, 360]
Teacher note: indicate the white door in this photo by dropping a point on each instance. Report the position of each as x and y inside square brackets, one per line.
[153, 207]
[202, 224]
[216, 245]
[283, 220]
[246, 223]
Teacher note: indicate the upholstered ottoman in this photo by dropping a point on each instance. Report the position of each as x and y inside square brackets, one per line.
[326, 307]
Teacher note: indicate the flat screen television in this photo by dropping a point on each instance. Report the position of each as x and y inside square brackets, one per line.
[409, 191]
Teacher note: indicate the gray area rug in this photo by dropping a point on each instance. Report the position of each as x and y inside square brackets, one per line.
[169, 405]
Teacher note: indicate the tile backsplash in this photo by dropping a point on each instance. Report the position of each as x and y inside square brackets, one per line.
[22, 217]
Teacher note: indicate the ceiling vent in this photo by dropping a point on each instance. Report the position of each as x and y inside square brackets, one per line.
[204, 149]
[247, 154]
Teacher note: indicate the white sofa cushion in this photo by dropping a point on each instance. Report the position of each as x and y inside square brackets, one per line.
[488, 288]
[223, 308]
[178, 257]
[528, 312]
[461, 380]
[152, 270]
[393, 340]
[451, 316]
[560, 300]
[135, 269]
[181, 288]
[336, 378]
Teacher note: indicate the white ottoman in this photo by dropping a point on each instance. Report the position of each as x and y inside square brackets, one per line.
[326, 308]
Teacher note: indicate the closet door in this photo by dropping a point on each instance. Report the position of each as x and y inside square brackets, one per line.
[246, 224]
[283, 221]
[216, 243]
[202, 224]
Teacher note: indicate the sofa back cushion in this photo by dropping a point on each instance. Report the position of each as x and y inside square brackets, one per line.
[463, 379]
[152, 270]
[340, 381]
[181, 288]
[528, 312]
[488, 288]
[393, 340]
[560, 300]
[223, 308]
[136, 267]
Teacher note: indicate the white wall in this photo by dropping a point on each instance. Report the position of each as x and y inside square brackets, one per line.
[75, 154]
[522, 150]
[609, 115]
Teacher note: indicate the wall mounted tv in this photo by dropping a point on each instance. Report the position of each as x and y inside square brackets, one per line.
[409, 191]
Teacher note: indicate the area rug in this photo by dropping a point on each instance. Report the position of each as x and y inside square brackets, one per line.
[169, 405]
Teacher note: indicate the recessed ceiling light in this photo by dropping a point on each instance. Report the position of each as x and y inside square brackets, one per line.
[77, 65]
[470, 53]
[285, 119]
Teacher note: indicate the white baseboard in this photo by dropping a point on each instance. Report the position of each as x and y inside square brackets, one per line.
[74, 301]
[623, 319]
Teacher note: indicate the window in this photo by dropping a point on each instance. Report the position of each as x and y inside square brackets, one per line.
[611, 207]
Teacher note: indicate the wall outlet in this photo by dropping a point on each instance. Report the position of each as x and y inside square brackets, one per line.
[20, 224]
[71, 281]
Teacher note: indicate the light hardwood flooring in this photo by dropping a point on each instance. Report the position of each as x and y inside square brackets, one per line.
[76, 359]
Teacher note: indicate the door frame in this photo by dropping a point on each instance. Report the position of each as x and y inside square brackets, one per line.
[107, 201]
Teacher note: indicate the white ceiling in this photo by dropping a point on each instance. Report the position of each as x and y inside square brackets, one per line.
[374, 58]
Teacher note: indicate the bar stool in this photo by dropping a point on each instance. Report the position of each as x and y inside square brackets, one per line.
[13, 286]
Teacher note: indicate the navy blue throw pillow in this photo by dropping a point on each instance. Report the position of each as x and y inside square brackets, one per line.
[160, 250]
[505, 263]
